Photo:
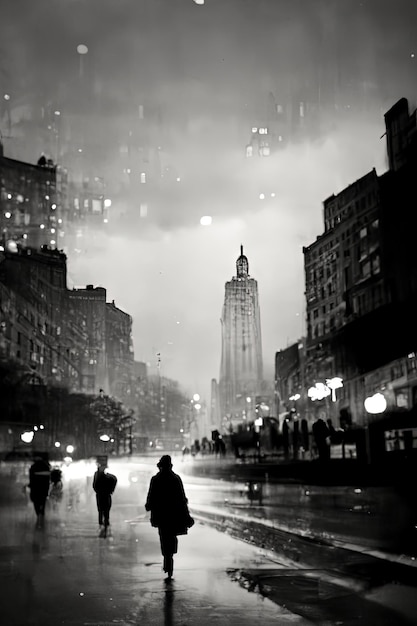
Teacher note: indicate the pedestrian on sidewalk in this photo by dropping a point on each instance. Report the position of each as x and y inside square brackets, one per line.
[39, 480]
[104, 485]
[168, 505]
[321, 434]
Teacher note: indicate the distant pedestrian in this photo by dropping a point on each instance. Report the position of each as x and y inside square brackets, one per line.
[305, 437]
[168, 506]
[39, 481]
[104, 485]
[57, 487]
[321, 434]
[286, 437]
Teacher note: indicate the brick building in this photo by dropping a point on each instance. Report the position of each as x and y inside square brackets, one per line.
[33, 201]
[361, 282]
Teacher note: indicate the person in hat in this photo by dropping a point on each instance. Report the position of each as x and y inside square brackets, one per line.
[104, 485]
[168, 505]
[39, 481]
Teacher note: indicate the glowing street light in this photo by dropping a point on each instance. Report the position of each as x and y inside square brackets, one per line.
[70, 449]
[318, 392]
[27, 437]
[196, 397]
[82, 50]
[104, 438]
[333, 384]
[375, 404]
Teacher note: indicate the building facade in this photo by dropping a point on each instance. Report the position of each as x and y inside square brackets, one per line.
[32, 202]
[361, 284]
[241, 369]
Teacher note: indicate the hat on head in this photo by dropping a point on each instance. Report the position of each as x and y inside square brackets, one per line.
[164, 462]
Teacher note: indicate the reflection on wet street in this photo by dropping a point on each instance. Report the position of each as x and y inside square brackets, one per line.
[64, 573]
[380, 518]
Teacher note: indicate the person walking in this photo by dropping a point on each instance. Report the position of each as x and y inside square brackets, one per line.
[168, 505]
[57, 487]
[104, 485]
[321, 434]
[39, 481]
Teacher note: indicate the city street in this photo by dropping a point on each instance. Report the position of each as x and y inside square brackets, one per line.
[65, 574]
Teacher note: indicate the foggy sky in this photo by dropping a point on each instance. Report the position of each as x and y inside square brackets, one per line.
[210, 67]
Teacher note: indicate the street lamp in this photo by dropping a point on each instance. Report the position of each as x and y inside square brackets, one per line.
[82, 50]
[333, 384]
[105, 439]
[375, 404]
[318, 392]
[27, 437]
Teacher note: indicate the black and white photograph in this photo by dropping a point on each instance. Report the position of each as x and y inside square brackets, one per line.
[208, 312]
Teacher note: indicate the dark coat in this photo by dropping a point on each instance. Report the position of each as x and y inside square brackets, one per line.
[39, 479]
[104, 483]
[167, 502]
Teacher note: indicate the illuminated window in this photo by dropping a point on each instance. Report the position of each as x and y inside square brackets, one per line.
[363, 232]
[249, 151]
[143, 177]
[143, 209]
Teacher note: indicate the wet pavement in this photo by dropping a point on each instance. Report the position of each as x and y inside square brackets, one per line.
[376, 518]
[63, 573]
[238, 565]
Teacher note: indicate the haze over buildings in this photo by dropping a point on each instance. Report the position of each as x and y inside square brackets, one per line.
[161, 109]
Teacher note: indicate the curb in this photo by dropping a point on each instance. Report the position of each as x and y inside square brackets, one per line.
[284, 536]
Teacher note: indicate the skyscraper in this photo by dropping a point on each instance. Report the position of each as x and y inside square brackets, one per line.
[241, 362]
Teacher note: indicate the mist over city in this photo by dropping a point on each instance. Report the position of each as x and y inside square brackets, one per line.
[207, 74]
[208, 295]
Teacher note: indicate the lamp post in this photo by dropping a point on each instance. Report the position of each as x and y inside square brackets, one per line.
[374, 405]
[82, 50]
[105, 439]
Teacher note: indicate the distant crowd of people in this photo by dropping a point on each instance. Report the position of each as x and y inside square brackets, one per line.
[214, 446]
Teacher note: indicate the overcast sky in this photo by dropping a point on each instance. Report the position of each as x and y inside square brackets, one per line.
[210, 67]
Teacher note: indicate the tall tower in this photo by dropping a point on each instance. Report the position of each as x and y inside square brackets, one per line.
[241, 361]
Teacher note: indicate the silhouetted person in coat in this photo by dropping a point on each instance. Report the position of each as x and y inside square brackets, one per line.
[168, 505]
[104, 485]
[39, 481]
[321, 434]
